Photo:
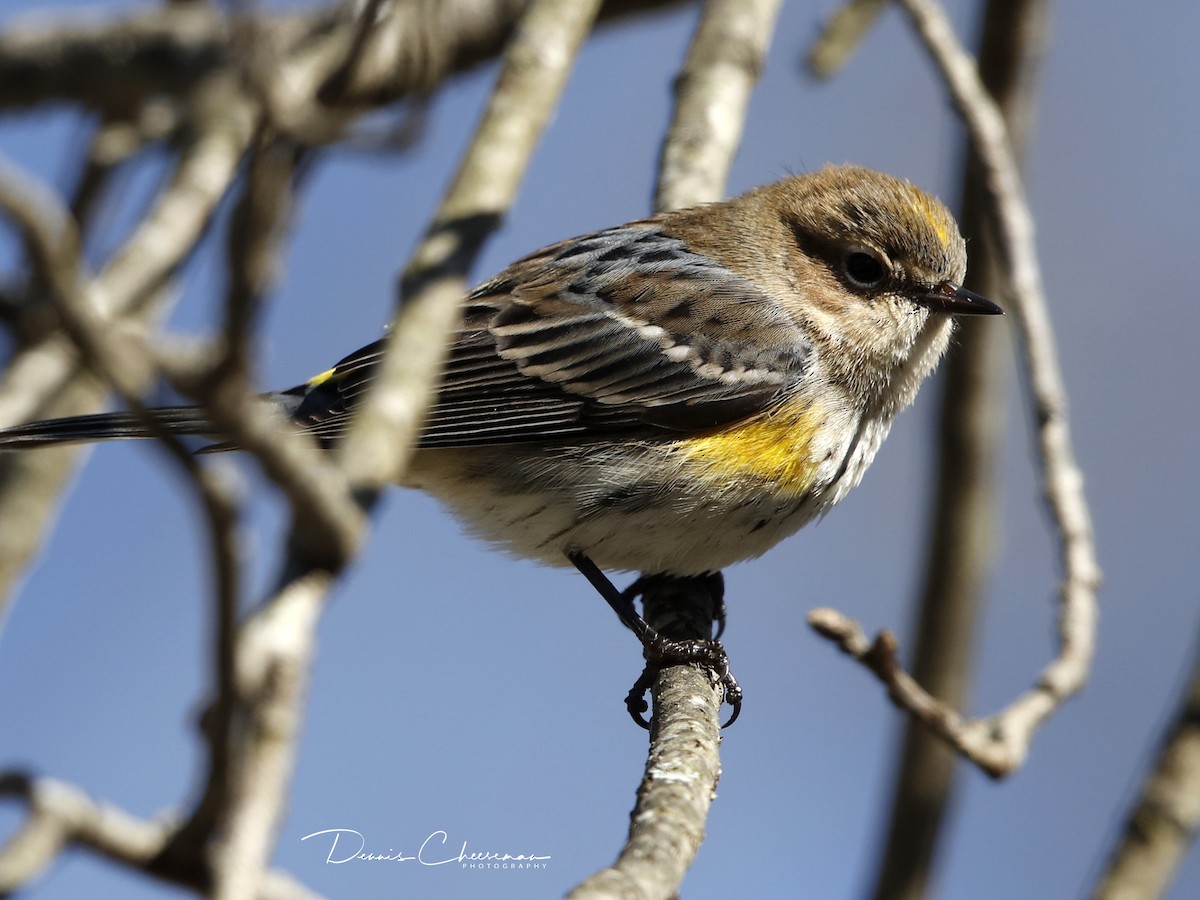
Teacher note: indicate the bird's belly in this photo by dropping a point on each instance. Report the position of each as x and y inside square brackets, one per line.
[637, 526]
[683, 507]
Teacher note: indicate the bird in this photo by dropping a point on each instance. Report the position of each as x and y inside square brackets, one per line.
[669, 396]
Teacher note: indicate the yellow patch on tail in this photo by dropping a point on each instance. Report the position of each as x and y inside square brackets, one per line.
[318, 380]
[775, 448]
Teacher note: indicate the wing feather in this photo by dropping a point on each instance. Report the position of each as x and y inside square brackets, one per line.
[625, 332]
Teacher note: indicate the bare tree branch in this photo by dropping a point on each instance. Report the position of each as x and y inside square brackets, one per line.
[222, 513]
[258, 709]
[115, 351]
[999, 744]
[61, 815]
[54, 247]
[667, 824]
[261, 668]
[1163, 822]
[959, 555]
[115, 64]
[535, 69]
[330, 524]
[722, 66]
[275, 646]
[157, 247]
[712, 92]
[274, 657]
[271, 670]
[27, 481]
[842, 33]
[219, 505]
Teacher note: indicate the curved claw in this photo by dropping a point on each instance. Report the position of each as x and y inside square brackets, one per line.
[709, 654]
[658, 650]
[719, 621]
[635, 701]
[733, 696]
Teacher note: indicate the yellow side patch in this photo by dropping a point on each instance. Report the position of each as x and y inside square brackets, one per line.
[318, 380]
[775, 448]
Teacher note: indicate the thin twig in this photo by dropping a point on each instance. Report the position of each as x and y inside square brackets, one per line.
[712, 92]
[54, 250]
[150, 255]
[959, 556]
[117, 63]
[335, 86]
[274, 649]
[222, 513]
[534, 72]
[114, 144]
[259, 222]
[330, 522]
[840, 36]
[257, 226]
[61, 815]
[28, 480]
[972, 738]
[117, 352]
[999, 744]
[261, 707]
[273, 653]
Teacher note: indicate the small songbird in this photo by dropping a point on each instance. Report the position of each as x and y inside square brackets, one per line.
[672, 395]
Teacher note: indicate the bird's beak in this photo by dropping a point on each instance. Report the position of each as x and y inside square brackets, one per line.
[948, 297]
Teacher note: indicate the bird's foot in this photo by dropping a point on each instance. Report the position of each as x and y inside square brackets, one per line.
[660, 651]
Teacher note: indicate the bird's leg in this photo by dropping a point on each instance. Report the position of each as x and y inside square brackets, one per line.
[660, 651]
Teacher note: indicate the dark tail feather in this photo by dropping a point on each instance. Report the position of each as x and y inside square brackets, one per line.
[119, 426]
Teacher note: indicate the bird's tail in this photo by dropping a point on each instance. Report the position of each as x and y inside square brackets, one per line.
[117, 426]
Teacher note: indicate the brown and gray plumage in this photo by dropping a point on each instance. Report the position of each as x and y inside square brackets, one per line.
[671, 395]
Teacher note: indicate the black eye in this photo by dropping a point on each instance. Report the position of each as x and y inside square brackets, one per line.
[863, 269]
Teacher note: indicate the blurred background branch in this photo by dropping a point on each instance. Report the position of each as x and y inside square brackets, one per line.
[963, 531]
[1162, 824]
[1000, 743]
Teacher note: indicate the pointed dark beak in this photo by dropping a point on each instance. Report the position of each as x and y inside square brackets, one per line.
[948, 297]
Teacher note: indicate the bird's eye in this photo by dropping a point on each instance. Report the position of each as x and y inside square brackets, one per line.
[864, 270]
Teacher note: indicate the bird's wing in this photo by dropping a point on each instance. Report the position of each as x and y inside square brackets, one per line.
[620, 333]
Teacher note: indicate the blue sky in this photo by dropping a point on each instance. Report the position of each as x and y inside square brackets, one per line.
[459, 690]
